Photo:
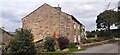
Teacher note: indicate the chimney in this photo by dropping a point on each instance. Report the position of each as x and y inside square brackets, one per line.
[58, 8]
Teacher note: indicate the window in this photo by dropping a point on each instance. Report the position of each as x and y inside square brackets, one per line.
[78, 27]
[78, 37]
[75, 38]
[74, 25]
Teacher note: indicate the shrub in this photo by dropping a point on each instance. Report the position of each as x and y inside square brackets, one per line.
[81, 40]
[40, 47]
[63, 42]
[105, 34]
[117, 34]
[72, 45]
[91, 39]
[22, 43]
[49, 44]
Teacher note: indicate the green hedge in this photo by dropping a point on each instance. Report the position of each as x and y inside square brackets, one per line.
[91, 39]
[72, 45]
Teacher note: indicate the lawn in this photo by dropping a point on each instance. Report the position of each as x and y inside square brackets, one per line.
[71, 50]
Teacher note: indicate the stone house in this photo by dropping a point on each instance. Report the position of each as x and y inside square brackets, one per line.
[47, 20]
[4, 37]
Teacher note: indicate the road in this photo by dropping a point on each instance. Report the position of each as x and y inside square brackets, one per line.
[110, 49]
[105, 48]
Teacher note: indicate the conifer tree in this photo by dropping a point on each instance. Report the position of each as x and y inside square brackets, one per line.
[22, 43]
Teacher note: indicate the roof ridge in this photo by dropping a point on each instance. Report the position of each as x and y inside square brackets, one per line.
[53, 8]
[34, 11]
[37, 9]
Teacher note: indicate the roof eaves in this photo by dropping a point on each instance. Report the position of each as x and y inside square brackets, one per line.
[75, 19]
[6, 32]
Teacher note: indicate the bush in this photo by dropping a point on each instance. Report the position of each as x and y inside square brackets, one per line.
[40, 47]
[63, 42]
[22, 43]
[49, 44]
[91, 39]
[105, 34]
[72, 45]
[117, 34]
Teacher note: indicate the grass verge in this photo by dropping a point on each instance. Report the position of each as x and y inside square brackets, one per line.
[71, 50]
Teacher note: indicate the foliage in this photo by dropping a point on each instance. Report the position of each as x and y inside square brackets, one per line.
[106, 19]
[72, 45]
[22, 43]
[90, 34]
[71, 50]
[81, 39]
[118, 24]
[91, 39]
[40, 47]
[49, 44]
[105, 33]
[117, 33]
[63, 42]
[118, 19]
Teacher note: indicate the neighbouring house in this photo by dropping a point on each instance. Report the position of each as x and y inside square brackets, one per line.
[4, 37]
[47, 20]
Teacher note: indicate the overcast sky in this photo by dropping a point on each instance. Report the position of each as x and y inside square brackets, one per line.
[12, 11]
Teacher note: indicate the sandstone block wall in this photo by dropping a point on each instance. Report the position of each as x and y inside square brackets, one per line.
[47, 20]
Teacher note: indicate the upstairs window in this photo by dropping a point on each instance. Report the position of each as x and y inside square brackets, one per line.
[74, 26]
[78, 27]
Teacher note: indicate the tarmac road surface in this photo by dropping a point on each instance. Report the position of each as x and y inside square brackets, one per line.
[105, 49]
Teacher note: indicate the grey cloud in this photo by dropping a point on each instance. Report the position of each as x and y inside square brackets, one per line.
[85, 11]
[10, 15]
[89, 23]
[10, 26]
[84, 15]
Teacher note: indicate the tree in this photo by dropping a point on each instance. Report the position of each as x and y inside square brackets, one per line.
[105, 34]
[118, 19]
[49, 44]
[63, 42]
[118, 23]
[106, 19]
[22, 43]
[90, 34]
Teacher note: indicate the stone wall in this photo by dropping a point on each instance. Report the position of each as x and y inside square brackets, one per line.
[47, 20]
[5, 36]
